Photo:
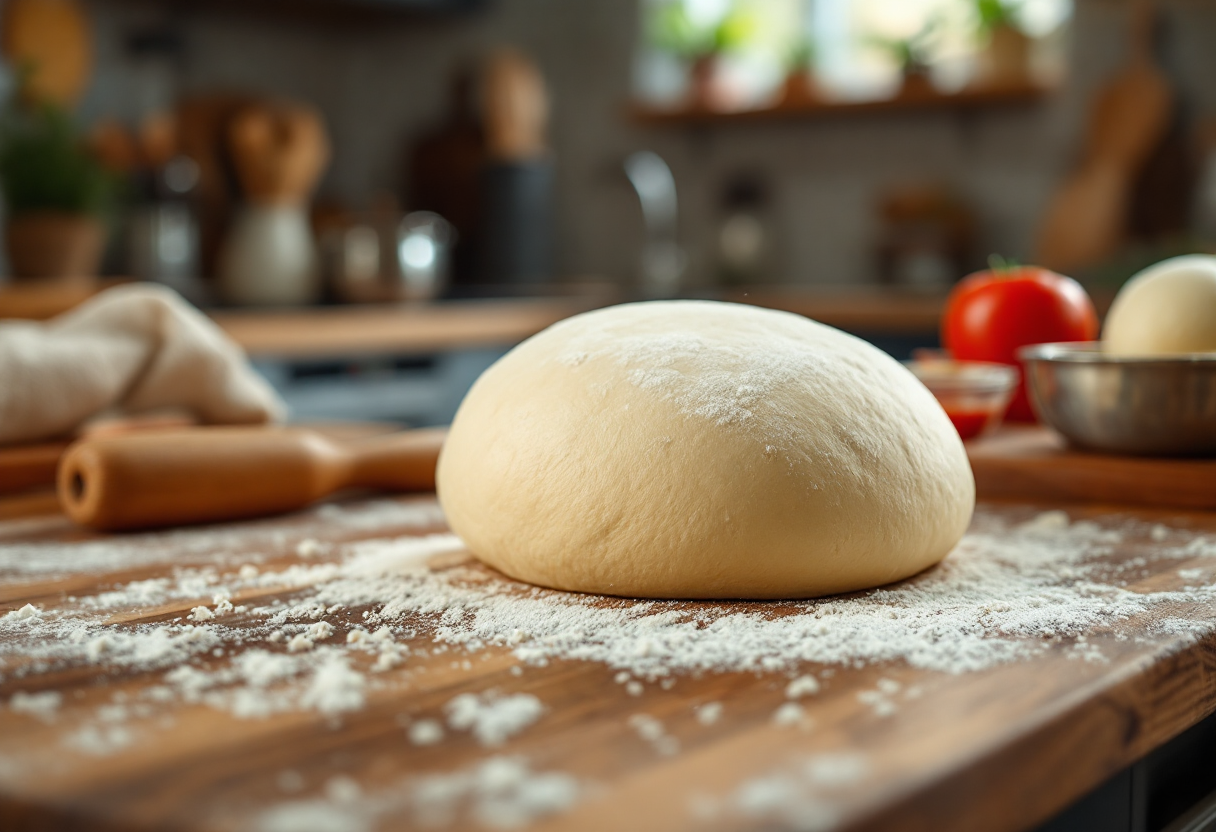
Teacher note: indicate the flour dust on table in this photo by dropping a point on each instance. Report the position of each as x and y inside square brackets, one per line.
[370, 617]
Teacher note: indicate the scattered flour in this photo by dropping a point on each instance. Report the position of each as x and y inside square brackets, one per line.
[342, 789]
[334, 688]
[43, 705]
[298, 643]
[1007, 592]
[791, 714]
[426, 732]
[798, 794]
[220, 543]
[100, 740]
[26, 613]
[890, 687]
[651, 729]
[320, 631]
[504, 793]
[310, 548]
[709, 713]
[802, 686]
[882, 698]
[499, 793]
[491, 718]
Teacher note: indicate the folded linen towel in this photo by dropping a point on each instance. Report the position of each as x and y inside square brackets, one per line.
[131, 349]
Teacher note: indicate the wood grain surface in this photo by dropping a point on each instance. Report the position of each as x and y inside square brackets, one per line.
[395, 329]
[999, 749]
[1036, 464]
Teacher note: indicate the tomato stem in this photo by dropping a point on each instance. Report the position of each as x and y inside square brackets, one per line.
[1002, 265]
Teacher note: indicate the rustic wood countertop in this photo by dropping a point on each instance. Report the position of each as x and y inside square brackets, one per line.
[94, 736]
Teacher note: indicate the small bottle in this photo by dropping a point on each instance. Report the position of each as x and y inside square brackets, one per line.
[744, 239]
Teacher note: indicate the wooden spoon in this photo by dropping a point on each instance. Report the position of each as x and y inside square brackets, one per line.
[1087, 217]
[175, 477]
[515, 107]
[279, 153]
[50, 39]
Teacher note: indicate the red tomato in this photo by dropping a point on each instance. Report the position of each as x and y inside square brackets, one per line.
[990, 314]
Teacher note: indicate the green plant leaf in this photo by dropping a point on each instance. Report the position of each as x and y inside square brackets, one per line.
[44, 165]
[993, 14]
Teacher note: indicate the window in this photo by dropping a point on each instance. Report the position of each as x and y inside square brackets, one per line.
[737, 54]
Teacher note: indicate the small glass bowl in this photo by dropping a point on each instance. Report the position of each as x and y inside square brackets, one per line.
[974, 394]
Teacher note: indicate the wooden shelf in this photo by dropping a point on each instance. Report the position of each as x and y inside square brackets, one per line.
[965, 99]
[866, 309]
[407, 328]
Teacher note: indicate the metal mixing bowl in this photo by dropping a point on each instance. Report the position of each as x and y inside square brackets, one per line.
[1164, 406]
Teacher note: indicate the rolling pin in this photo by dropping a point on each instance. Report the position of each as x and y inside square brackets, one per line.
[197, 475]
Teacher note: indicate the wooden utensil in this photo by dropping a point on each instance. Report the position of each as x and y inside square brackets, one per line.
[269, 256]
[26, 467]
[51, 39]
[515, 107]
[279, 152]
[30, 467]
[224, 473]
[1087, 217]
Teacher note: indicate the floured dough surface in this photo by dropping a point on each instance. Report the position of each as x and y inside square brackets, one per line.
[694, 449]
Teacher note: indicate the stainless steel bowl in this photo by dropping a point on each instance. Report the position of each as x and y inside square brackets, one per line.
[1162, 406]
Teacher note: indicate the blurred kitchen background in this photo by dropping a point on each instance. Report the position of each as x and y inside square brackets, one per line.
[376, 198]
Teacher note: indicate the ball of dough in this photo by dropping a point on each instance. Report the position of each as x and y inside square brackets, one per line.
[694, 449]
[1167, 309]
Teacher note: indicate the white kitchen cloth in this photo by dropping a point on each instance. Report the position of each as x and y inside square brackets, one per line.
[131, 349]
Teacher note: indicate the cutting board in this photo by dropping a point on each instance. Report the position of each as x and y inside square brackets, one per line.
[1035, 464]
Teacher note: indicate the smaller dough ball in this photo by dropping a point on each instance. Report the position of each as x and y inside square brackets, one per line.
[1167, 309]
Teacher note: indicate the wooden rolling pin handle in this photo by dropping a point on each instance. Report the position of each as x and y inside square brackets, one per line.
[398, 462]
[207, 474]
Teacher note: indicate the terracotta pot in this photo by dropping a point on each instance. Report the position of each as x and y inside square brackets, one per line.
[54, 244]
[1006, 59]
[916, 84]
[799, 89]
[704, 85]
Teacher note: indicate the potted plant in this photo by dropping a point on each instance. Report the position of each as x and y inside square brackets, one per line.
[701, 44]
[55, 192]
[799, 87]
[913, 56]
[1004, 56]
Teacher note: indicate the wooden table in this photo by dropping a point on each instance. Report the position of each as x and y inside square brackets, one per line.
[997, 749]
